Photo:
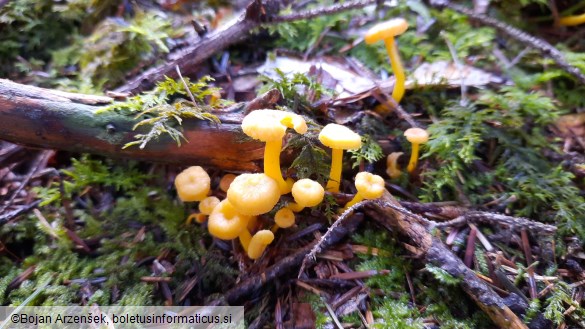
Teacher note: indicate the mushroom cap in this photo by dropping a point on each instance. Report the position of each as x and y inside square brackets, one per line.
[307, 192]
[339, 137]
[385, 30]
[206, 205]
[284, 217]
[225, 222]
[370, 186]
[416, 135]
[270, 125]
[225, 181]
[192, 184]
[253, 194]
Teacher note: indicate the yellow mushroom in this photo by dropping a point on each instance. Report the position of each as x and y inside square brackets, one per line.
[226, 181]
[253, 194]
[307, 193]
[392, 168]
[270, 126]
[386, 31]
[225, 222]
[192, 184]
[284, 218]
[369, 187]
[259, 242]
[206, 205]
[572, 20]
[416, 136]
[338, 138]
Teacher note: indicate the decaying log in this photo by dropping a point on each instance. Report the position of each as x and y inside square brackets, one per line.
[432, 251]
[45, 118]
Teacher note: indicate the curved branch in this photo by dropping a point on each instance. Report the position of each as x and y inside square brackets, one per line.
[45, 118]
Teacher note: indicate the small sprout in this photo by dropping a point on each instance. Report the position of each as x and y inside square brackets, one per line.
[259, 242]
[387, 31]
[307, 193]
[225, 222]
[392, 168]
[253, 194]
[226, 181]
[416, 136]
[369, 187]
[192, 184]
[206, 205]
[338, 138]
[270, 127]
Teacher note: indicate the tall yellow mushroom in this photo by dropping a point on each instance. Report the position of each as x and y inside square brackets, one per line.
[416, 136]
[338, 138]
[270, 127]
[386, 31]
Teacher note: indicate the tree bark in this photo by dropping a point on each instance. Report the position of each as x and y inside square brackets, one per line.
[44, 118]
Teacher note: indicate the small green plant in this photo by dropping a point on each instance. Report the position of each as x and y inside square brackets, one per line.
[162, 116]
[370, 152]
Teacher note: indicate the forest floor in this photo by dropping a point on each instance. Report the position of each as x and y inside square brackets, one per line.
[486, 231]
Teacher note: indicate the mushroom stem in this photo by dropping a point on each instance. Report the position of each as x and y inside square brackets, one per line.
[335, 174]
[272, 164]
[572, 20]
[397, 69]
[245, 238]
[356, 198]
[295, 207]
[413, 158]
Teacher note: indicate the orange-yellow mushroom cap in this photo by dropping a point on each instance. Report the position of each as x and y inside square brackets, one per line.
[284, 217]
[226, 181]
[369, 187]
[385, 30]
[192, 184]
[416, 135]
[206, 205]
[253, 194]
[338, 138]
[270, 125]
[225, 222]
[259, 242]
[307, 192]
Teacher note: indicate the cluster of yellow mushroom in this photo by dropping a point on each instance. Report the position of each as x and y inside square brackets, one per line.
[250, 195]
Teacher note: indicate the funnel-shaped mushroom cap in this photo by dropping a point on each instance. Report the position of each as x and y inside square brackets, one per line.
[416, 135]
[386, 30]
[307, 192]
[339, 137]
[270, 125]
[284, 218]
[225, 222]
[370, 186]
[192, 184]
[253, 194]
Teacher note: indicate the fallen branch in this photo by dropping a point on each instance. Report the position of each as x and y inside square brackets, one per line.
[541, 45]
[432, 251]
[45, 118]
[256, 13]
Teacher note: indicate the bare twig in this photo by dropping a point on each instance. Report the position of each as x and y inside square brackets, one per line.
[544, 47]
[514, 223]
[323, 11]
